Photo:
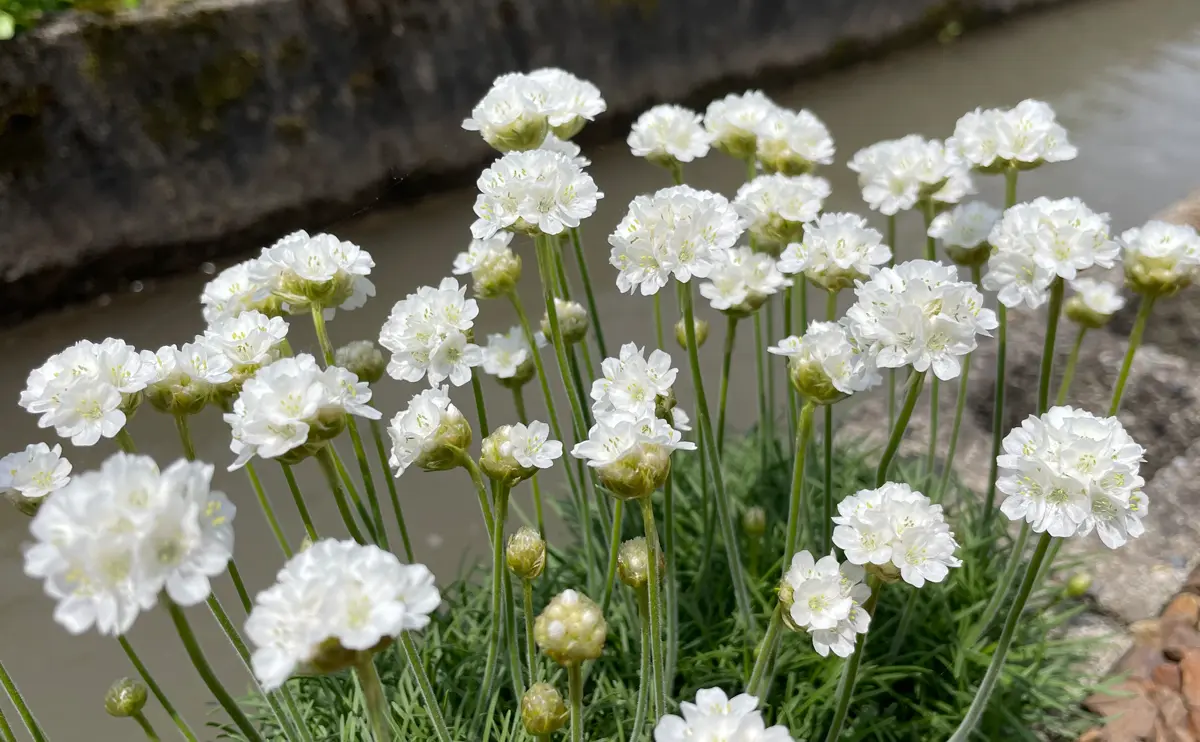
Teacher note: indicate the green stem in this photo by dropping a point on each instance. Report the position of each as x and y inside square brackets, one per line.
[672, 583]
[546, 273]
[654, 590]
[575, 690]
[960, 404]
[1010, 187]
[845, 689]
[1015, 557]
[614, 548]
[827, 494]
[731, 324]
[891, 241]
[6, 732]
[196, 654]
[329, 467]
[480, 407]
[268, 510]
[658, 323]
[240, 586]
[381, 450]
[23, 710]
[593, 310]
[916, 381]
[510, 606]
[156, 690]
[983, 695]
[1069, 371]
[760, 351]
[352, 492]
[530, 647]
[768, 310]
[318, 320]
[146, 726]
[364, 469]
[795, 509]
[931, 451]
[728, 530]
[185, 437]
[125, 441]
[989, 502]
[519, 403]
[1135, 340]
[378, 712]
[644, 679]
[431, 701]
[472, 468]
[766, 652]
[1047, 368]
[751, 168]
[901, 634]
[787, 332]
[496, 630]
[298, 497]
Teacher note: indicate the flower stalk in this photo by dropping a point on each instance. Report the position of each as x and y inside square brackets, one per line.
[268, 510]
[1135, 341]
[575, 689]
[1047, 369]
[593, 310]
[309, 529]
[916, 381]
[381, 451]
[155, 689]
[1069, 372]
[374, 698]
[799, 460]
[731, 324]
[764, 411]
[655, 608]
[329, 467]
[23, 710]
[431, 700]
[845, 689]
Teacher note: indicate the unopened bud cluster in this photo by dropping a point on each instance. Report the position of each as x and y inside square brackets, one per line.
[526, 554]
[362, 358]
[700, 328]
[572, 321]
[571, 629]
[542, 710]
[126, 697]
[633, 563]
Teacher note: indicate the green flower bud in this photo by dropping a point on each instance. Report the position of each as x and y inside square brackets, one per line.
[1078, 585]
[637, 474]
[810, 380]
[1157, 277]
[786, 598]
[1080, 313]
[498, 463]
[526, 554]
[27, 505]
[362, 358]
[572, 320]
[633, 563]
[885, 572]
[569, 129]
[571, 629]
[754, 522]
[498, 276]
[542, 710]
[700, 328]
[126, 697]
[527, 132]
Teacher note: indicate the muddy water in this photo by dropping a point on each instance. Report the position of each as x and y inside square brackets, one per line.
[1122, 74]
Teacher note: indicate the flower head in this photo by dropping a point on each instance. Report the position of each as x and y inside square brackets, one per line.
[699, 328]
[897, 533]
[716, 716]
[110, 541]
[26, 477]
[1161, 258]
[733, 122]
[567, 149]
[321, 270]
[332, 602]
[570, 102]
[632, 458]
[1068, 472]
[836, 251]
[826, 364]
[513, 113]
[431, 434]
[633, 563]
[1094, 302]
[514, 453]
[826, 600]
[897, 174]
[493, 265]
[361, 358]
[572, 321]
[669, 135]
[964, 232]
[525, 554]
[570, 629]
[776, 207]
[632, 385]
[793, 142]
[508, 357]
[741, 281]
[427, 335]
[125, 698]
[188, 377]
[542, 710]
[235, 290]
[993, 140]
[250, 340]
[535, 192]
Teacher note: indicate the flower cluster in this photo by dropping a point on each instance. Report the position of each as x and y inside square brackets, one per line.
[430, 434]
[1094, 302]
[493, 265]
[111, 540]
[250, 340]
[964, 232]
[26, 477]
[293, 407]
[897, 533]
[362, 358]
[716, 716]
[513, 453]
[793, 142]
[188, 377]
[678, 232]
[534, 192]
[1068, 472]
[512, 115]
[567, 149]
[633, 385]
[570, 102]
[234, 291]
[741, 280]
[826, 600]
[669, 135]
[994, 140]
[427, 334]
[508, 357]
[305, 271]
[898, 174]
[1161, 258]
[826, 364]
[1034, 243]
[836, 250]
[332, 601]
[87, 391]
[570, 629]
[919, 314]
[734, 122]
[777, 207]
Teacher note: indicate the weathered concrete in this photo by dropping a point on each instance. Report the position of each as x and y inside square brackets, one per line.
[146, 142]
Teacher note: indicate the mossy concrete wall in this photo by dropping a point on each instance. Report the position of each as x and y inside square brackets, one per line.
[148, 142]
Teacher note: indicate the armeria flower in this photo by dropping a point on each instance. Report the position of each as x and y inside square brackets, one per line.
[631, 458]
[993, 140]
[826, 364]
[507, 356]
[1161, 258]
[570, 629]
[513, 113]
[493, 266]
[1094, 302]
[362, 358]
[776, 207]
[26, 477]
[919, 314]
[897, 533]
[188, 377]
[320, 270]
[793, 142]
[330, 604]
[110, 541]
[535, 192]
[1036, 242]
[570, 102]
[825, 599]
[513, 453]
[676, 232]
[669, 135]
[1069, 472]
[733, 122]
[293, 407]
[716, 716]
[572, 319]
[427, 335]
[87, 391]
[836, 251]
[567, 149]
[250, 340]
[236, 290]
[741, 281]
[632, 385]
[898, 174]
[431, 434]
[964, 232]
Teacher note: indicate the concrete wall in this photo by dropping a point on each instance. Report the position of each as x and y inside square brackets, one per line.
[148, 142]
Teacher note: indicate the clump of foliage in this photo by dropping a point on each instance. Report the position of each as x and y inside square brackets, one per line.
[17, 16]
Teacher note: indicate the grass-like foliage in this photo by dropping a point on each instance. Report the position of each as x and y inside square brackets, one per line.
[914, 685]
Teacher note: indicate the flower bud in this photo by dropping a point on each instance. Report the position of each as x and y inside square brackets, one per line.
[571, 629]
[885, 572]
[779, 158]
[1080, 313]
[700, 328]
[27, 505]
[572, 320]
[527, 132]
[786, 599]
[362, 358]
[970, 257]
[1158, 277]
[664, 404]
[526, 554]
[126, 697]
[497, 461]
[754, 522]
[638, 473]
[524, 374]
[633, 563]
[452, 438]
[1078, 585]
[810, 380]
[542, 710]
[498, 276]
[751, 304]
[179, 397]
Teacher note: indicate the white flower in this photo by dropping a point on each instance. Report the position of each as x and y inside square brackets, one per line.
[1036, 242]
[234, 290]
[331, 597]
[1023, 137]
[304, 270]
[836, 250]
[827, 355]
[571, 102]
[1099, 297]
[534, 192]
[793, 142]
[826, 600]
[567, 149]
[249, 340]
[1069, 472]
[426, 334]
[717, 717]
[742, 280]
[513, 453]
[733, 122]
[776, 207]
[507, 355]
[919, 314]
[294, 405]
[632, 384]
[86, 391]
[896, 175]
[513, 113]
[188, 377]
[964, 231]
[676, 232]
[430, 433]
[111, 540]
[631, 458]
[898, 532]
[35, 472]
[667, 135]
[1161, 258]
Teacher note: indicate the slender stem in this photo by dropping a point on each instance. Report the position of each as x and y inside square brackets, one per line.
[352, 491]
[614, 548]
[23, 710]
[364, 469]
[760, 351]
[593, 310]
[6, 732]
[984, 693]
[125, 441]
[530, 647]
[751, 168]
[803, 431]
[658, 323]
[1135, 340]
[997, 414]
[318, 319]
[731, 324]
[935, 393]
[672, 582]
[381, 450]
[644, 680]
[376, 700]
[298, 497]
[960, 404]
[1015, 557]
[519, 403]
[1047, 369]
[146, 726]
[891, 241]
[185, 437]
[431, 701]
[728, 530]
[329, 467]
[802, 304]
[1069, 372]
[1048, 563]
[902, 627]
[496, 630]
[766, 652]
[706, 495]
[546, 273]
[916, 381]
[156, 690]
[510, 607]
[240, 586]
[845, 689]
[268, 510]
[575, 690]
[1010, 187]
[480, 407]
[787, 332]
[826, 543]
[654, 590]
[196, 654]
[768, 311]
[472, 468]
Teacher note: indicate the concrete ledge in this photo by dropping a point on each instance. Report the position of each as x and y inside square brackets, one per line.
[151, 141]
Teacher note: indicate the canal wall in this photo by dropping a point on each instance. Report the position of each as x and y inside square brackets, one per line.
[157, 139]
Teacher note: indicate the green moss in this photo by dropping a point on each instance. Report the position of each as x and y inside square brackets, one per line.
[292, 130]
[22, 138]
[195, 104]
